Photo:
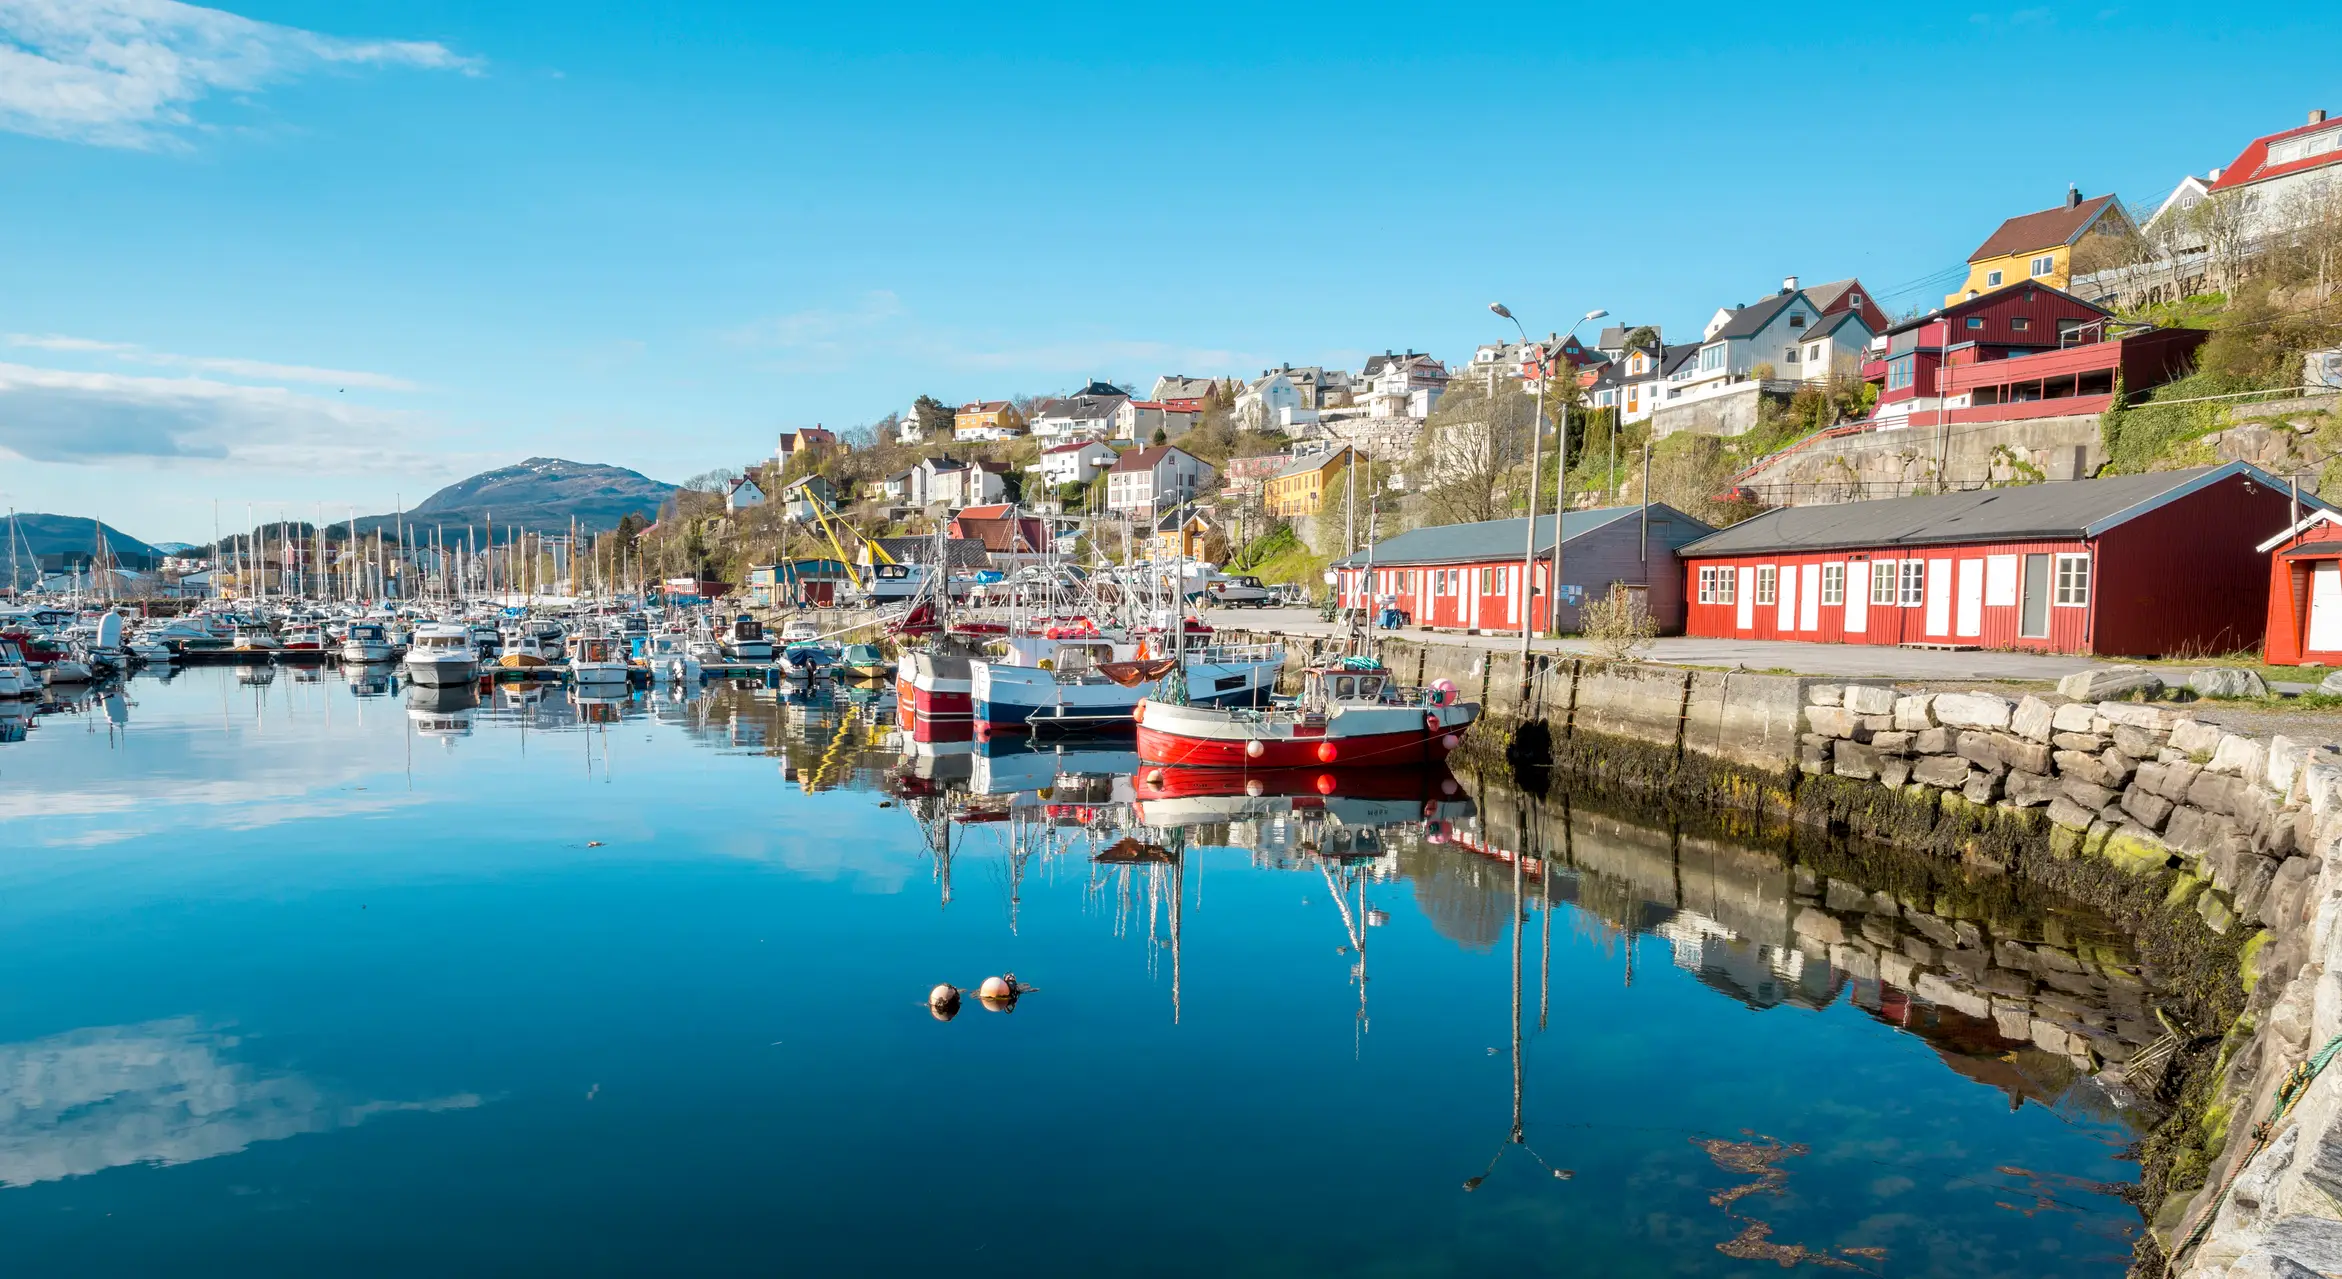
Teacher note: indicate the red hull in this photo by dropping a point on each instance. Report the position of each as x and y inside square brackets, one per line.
[1306, 783]
[1377, 750]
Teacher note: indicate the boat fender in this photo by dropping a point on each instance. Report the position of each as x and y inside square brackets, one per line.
[1254, 788]
[1450, 742]
[1326, 753]
[1255, 749]
[1138, 713]
[1431, 721]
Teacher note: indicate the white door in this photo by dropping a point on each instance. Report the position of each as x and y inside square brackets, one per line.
[1939, 597]
[1857, 597]
[1971, 597]
[2325, 607]
[1785, 591]
[1747, 597]
[1809, 598]
[1472, 588]
[1512, 595]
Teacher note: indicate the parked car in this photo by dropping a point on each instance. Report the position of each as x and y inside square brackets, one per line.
[1233, 592]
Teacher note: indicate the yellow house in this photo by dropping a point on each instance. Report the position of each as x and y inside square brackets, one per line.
[2037, 246]
[987, 420]
[1300, 488]
[1176, 537]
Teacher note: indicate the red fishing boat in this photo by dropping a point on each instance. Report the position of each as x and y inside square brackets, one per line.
[1351, 712]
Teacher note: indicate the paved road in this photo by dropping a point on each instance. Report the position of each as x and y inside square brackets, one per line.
[1864, 661]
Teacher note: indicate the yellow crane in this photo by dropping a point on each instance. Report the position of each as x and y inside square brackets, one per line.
[831, 521]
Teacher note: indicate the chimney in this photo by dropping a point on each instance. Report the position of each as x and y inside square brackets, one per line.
[2216, 174]
[1789, 284]
[2317, 115]
[2073, 196]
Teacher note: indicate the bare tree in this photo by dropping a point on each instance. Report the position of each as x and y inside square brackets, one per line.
[2223, 223]
[1474, 448]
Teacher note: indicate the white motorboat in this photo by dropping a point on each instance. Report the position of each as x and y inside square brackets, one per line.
[597, 660]
[16, 678]
[442, 655]
[366, 642]
[746, 641]
[669, 658]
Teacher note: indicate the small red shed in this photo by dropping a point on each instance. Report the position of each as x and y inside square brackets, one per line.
[2135, 565]
[2305, 593]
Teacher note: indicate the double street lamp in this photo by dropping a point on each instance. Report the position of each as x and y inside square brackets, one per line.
[1545, 375]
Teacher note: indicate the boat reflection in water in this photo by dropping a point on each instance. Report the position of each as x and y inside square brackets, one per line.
[443, 711]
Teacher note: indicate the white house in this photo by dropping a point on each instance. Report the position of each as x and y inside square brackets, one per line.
[1075, 463]
[909, 430]
[742, 495]
[1405, 384]
[2284, 179]
[956, 484]
[1786, 332]
[1151, 478]
[1272, 400]
[1087, 416]
[1138, 420]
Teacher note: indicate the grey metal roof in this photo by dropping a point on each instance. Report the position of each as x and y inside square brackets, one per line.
[1497, 539]
[1749, 319]
[2032, 512]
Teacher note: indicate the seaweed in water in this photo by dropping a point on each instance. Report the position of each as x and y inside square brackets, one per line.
[1761, 1159]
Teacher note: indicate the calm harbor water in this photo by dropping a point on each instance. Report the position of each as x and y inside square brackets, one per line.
[318, 976]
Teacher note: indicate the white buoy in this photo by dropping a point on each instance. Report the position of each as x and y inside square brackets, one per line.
[1254, 748]
[996, 988]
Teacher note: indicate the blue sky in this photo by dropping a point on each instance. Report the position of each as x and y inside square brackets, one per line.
[312, 255]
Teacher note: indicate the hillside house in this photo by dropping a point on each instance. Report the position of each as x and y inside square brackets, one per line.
[1089, 414]
[794, 444]
[2018, 353]
[1403, 384]
[1249, 476]
[1176, 386]
[1138, 420]
[1299, 487]
[742, 494]
[804, 499]
[2136, 565]
[1180, 533]
[2304, 626]
[1075, 463]
[1145, 480]
[2037, 246]
[987, 420]
[2285, 179]
[1273, 401]
[1468, 577]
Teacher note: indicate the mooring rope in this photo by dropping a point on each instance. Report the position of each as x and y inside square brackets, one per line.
[2296, 1083]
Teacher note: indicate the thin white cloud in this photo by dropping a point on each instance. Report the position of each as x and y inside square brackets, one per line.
[128, 73]
[79, 418]
[226, 366]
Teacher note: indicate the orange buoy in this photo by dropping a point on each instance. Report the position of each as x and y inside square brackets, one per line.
[1138, 713]
[1325, 783]
[1326, 754]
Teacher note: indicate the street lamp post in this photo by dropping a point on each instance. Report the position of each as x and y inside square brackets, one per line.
[1536, 460]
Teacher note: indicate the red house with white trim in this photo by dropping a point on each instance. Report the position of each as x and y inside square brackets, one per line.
[1467, 577]
[2135, 565]
[2305, 593]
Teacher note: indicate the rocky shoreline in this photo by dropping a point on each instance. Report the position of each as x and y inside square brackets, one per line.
[2220, 852]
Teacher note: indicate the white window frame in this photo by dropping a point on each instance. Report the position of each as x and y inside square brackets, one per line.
[1883, 576]
[1992, 279]
[1708, 584]
[2078, 589]
[1834, 584]
[1914, 584]
[2046, 264]
[1768, 584]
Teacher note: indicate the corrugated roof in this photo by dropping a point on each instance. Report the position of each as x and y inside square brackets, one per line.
[2032, 512]
[1308, 462]
[1492, 539]
[1749, 319]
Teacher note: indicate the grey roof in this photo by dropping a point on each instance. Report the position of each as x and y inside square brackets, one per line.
[1614, 335]
[2032, 512]
[1499, 539]
[1083, 407]
[1675, 356]
[1304, 463]
[1746, 321]
[1830, 323]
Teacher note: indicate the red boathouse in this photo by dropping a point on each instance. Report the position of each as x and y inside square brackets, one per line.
[2136, 565]
[2305, 593]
